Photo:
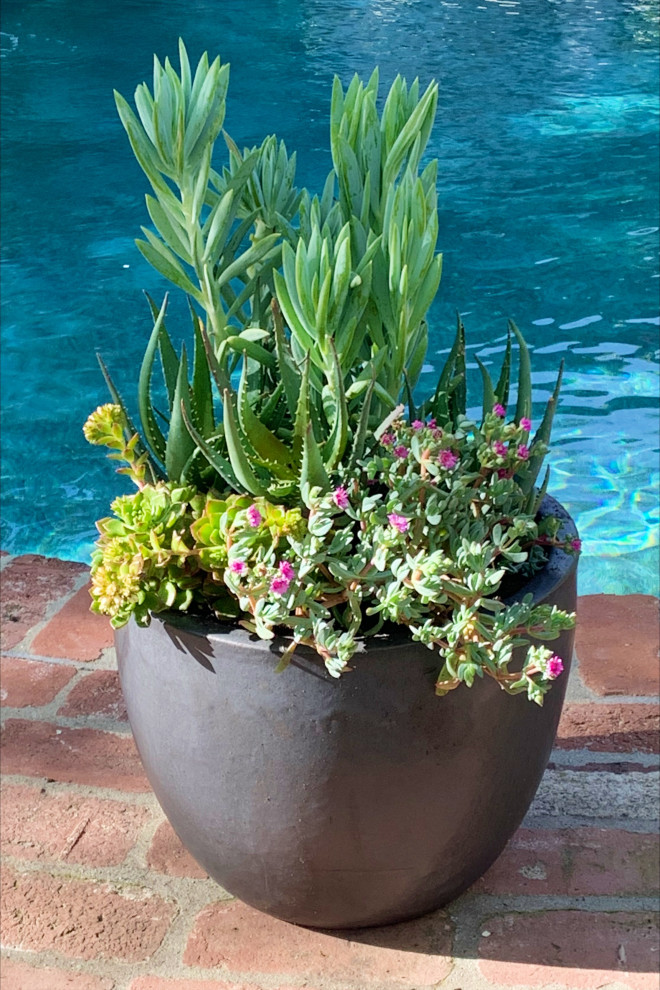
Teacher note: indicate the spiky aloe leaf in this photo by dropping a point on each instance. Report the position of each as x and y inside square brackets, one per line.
[302, 416]
[458, 395]
[541, 439]
[312, 470]
[168, 356]
[502, 387]
[152, 431]
[201, 392]
[220, 376]
[215, 459]
[360, 438]
[524, 404]
[130, 431]
[412, 408]
[236, 450]
[540, 495]
[487, 388]
[266, 445]
[180, 445]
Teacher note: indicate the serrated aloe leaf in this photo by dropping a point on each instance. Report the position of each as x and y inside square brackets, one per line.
[412, 409]
[168, 356]
[312, 470]
[202, 393]
[459, 393]
[540, 495]
[502, 387]
[541, 441]
[130, 431]
[219, 373]
[235, 448]
[270, 407]
[180, 444]
[360, 437]
[266, 444]
[152, 431]
[303, 414]
[486, 387]
[524, 403]
[215, 459]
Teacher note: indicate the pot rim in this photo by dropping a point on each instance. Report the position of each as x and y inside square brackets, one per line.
[559, 568]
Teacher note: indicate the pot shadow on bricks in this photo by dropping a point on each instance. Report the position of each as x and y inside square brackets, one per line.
[513, 944]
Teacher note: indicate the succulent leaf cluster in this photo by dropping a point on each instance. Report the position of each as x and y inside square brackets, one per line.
[282, 485]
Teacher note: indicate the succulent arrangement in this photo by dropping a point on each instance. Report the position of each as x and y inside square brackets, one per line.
[287, 477]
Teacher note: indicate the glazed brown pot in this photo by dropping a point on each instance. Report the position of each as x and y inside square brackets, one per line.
[336, 803]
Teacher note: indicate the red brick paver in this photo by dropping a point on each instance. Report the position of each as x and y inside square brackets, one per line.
[617, 640]
[99, 894]
[85, 920]
[576, 862]
[17, 975]
[167, 855]
[29, 585]
[29, 682]
[79, 756]
[580, 950]
[96, 693]
[612, 728]
[399, 957]
[67, 827]
[163, 983]
[74, 632]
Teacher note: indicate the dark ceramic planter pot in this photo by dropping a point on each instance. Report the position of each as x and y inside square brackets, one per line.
[336, 803]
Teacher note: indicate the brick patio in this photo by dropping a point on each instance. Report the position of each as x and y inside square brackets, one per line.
[98, 893]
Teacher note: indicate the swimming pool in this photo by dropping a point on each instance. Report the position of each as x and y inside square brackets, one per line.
[547, 140]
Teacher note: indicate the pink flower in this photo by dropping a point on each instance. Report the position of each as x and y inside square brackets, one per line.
[398, 522]
[401, 451]
[432, 423]
[238, 567]
[254, 517]
[576, 545]
[448, 459]
[387, 439]
[499, 410]
[554, 667]
[503, 473]
[340, 497]
[525, 424]
[279, 585]
[417, 424]
[499, 448]
[523, 452]
[286, 570]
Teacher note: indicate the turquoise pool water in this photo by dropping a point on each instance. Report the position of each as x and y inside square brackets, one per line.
[547, 140]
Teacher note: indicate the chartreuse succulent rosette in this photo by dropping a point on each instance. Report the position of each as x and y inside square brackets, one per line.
[286, 478]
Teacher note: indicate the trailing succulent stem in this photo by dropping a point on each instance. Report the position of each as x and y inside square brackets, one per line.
[279, 483]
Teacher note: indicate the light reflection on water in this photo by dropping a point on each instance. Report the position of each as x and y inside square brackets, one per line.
[547, 189]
